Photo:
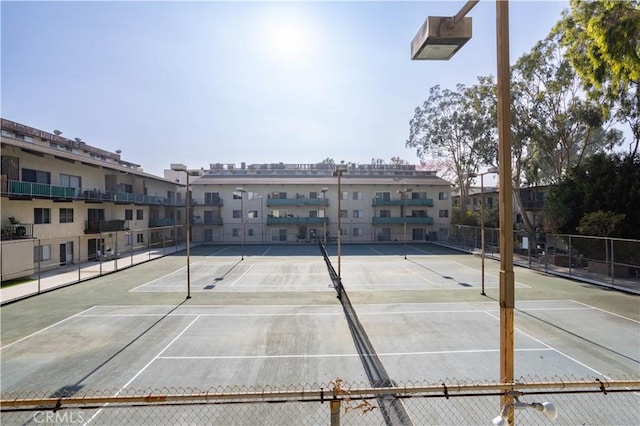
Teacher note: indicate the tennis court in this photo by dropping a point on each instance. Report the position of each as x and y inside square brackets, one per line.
[269, 315]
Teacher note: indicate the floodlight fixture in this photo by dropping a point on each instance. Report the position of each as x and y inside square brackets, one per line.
[546, 408]
[440, 37]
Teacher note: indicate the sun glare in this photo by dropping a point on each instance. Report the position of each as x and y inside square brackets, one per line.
[288, 40]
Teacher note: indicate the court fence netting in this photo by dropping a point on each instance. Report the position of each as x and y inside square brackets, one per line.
[583, 402]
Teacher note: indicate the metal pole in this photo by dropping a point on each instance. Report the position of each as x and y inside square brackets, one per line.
[324, 218]
[507, 296]
[242, 222]
[482, 228]
[404, 220]
[334, 405]
[188, 213]
[339, 223]
[261, 219]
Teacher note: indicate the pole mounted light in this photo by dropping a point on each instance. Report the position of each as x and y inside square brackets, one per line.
[546, 408]
[403, 195]
[442, 46]
[324, 215]
[241, 190]
[177, 167]
[340, 168]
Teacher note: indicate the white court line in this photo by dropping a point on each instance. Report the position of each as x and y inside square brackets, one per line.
[159, 278]
[354, 355]
[415, 273]
[46, 328]
[554, 349]
[607, 312]
[266, 251]
[423, 251]
[216, 252]
[146, 366]
[375, 251]
[302, 314]
[240, 277]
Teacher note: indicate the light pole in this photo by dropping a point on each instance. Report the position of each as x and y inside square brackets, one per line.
[482, 252]
[241, 190]
[340, 168]
[441, 40]
[324, 215]
[183, 168]
[261, 220]
[403, 195]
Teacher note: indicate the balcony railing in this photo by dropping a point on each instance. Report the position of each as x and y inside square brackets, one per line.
[24, 189]
[422, 202]
[40, 190]
[94, 227]
[300, 202]
[209, 221]
[409, 220]
[16, 231]
[166, 221]
[297, 220]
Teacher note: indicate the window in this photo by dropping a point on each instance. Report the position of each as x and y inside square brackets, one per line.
[126, 188]
[41, 215]
[357, 232]
[418, 195]
[385, 213]
[235, 232]
[41, 253]
[237, 195]
[279, 235]
[357, 195]
[36, 176]
[384, 196]
[69, 181]
[419, 213]
[237, 214]
[443, 196]
[313, 213]
[358, 214]
[128, 214]
[140, 237]
[443, 213]
[66, 215]
[250, 232]
[344, 195]
[344, 214]
[211, 198]
[139, 214]
[252, 214]
[313, 194]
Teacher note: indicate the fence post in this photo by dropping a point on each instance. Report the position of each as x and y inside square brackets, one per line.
[613, 265]
[335, 412]
[39, 260]
[80, 258]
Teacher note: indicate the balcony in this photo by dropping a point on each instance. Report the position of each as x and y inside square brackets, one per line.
[409, 220]
[533, 204]
[17, 231]
[299, 202]
[22, 189]
[97, 226]
[26, 190]
[217, 221]
[297, 220]
[417, 202]
[157, 222]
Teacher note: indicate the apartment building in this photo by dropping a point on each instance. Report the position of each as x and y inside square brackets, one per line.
[289, 203]
[61, 196]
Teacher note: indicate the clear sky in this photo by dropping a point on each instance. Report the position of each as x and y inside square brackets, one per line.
[226, 82]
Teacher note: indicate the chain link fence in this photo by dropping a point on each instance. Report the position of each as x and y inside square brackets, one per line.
[614, 262]
[585, 402]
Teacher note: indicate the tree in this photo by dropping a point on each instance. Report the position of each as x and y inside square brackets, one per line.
[447, 127]
[609, 183]
[397, 161]
[602, 39]
[554, 127]
[328, 161]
